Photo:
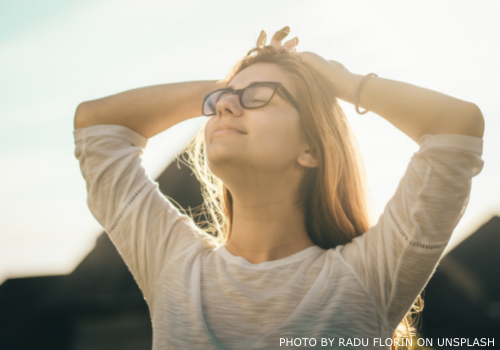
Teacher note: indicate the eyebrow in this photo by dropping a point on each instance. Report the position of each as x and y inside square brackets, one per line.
[279, 92]
[232, 88]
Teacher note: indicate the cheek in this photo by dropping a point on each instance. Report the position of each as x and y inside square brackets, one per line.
[209, 126]
[278, 142]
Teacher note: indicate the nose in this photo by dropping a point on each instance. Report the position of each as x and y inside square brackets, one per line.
[229, 105]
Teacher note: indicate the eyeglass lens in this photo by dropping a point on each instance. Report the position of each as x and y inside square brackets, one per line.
[253, 96]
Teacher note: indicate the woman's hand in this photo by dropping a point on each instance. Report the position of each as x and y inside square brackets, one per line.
[281, 34]
[341, 78]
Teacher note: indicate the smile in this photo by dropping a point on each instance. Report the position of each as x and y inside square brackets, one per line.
[226, 131]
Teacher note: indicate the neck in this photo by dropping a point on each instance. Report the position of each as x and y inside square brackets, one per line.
[268, 223]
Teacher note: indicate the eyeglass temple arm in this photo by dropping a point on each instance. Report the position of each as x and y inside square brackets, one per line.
[290, 97]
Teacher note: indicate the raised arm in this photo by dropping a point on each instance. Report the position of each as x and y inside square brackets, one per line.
[110, 136]
[417, 111]
[148, 110]
[414, 110]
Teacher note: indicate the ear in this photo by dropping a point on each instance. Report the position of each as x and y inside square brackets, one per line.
[308, 157]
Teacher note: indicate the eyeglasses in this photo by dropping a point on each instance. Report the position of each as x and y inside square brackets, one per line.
[255, 95]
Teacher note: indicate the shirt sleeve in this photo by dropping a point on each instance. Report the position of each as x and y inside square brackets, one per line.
[145, 227]
[397, 256]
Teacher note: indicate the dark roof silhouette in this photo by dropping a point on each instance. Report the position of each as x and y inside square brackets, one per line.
[462, 299]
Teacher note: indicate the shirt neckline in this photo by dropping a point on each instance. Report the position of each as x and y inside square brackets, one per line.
[315, 289]
[240, 261]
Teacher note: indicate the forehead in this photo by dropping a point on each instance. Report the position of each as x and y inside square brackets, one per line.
[262, 71]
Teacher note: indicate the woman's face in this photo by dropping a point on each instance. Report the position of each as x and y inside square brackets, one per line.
[267, 139]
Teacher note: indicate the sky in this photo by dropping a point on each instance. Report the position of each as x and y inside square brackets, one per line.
[55, 54]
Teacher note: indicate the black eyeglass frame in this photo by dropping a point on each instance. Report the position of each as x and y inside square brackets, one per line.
[239, 92]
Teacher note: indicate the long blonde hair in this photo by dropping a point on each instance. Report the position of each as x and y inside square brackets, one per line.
[333, 195]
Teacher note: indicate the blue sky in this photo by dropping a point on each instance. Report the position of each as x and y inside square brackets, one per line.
[55, 54]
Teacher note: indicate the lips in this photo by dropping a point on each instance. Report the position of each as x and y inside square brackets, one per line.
[228, 128]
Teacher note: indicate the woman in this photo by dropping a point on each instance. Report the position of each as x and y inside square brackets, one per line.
[295, 261]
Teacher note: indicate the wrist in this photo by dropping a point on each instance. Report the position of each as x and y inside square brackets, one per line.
[347, 86]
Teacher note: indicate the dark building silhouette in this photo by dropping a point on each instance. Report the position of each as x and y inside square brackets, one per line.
[99, 306]
[462, 299]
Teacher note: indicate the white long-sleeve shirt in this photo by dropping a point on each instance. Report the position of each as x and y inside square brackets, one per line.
[201, 296]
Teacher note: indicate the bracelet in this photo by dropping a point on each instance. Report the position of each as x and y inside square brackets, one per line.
[358, 92]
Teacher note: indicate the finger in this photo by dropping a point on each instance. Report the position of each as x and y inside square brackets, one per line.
[280, 35]
[261, 41]
[292, 43]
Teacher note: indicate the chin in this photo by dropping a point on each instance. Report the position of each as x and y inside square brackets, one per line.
[221, 157]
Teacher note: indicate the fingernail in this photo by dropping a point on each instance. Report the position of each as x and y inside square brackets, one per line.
[296, 40]
[280, 34]
[285, 29]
